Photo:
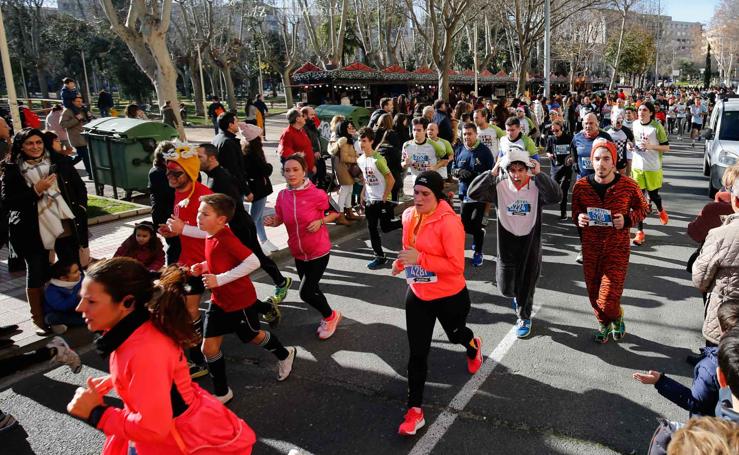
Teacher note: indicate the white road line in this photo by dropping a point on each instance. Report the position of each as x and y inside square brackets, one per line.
[444, 421]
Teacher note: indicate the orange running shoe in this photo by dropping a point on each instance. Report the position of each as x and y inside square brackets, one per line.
[328, 326]
[639, 238]
[412, 422]
[474, 364]
[663, 218]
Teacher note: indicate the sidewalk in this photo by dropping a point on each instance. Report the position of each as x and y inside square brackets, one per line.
[104, 240]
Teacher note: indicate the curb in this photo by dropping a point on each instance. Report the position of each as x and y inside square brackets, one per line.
[140, 210]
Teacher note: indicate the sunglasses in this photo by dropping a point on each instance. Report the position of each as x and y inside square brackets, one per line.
[556, 131]
[175, 174]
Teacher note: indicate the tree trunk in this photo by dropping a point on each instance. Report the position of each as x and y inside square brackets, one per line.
[183, 73]
[42, 84]
[165, 83]
[230, 92]
[618, 50]
[521, 83]
[197, 90]
[288, 90]
[572, 76]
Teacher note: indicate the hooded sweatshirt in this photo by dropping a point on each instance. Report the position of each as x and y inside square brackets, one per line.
[297, 208]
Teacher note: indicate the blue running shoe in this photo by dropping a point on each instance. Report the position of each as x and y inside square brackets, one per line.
[477, 259]
[524, 328]
[376, 263]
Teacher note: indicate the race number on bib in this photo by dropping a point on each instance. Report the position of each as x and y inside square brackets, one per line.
[562, 149]
[415, 274]
[600, 217]
[587, 164]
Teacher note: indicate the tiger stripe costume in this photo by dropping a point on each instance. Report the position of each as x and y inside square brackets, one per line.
[606, 250]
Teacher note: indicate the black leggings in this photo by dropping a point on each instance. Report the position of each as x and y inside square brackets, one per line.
[563, 177]
[420, 318]
[310, 273]
[247, 234]
[382, 212]
[652, 196]
[472, 214]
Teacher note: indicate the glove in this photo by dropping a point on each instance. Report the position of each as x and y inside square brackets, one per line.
[465, 174]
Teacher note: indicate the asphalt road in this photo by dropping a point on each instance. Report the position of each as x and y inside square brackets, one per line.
[554, 393]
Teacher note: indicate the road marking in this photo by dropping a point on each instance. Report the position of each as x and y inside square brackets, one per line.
[284, 446]
[444, 421]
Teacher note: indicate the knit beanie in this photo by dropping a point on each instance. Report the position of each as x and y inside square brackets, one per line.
[249, 131]
[185, 158]
[603, 142]
[433, 181]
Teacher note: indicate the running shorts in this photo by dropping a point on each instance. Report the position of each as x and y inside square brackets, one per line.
[244, 323]
[696, 126]
[647, 180]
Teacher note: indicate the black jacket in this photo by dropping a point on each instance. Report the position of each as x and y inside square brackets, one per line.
[445, 126]
[242, 225]
[161, 196]
[20, 203]
[230, 157]
[314, 135]
[258, 171]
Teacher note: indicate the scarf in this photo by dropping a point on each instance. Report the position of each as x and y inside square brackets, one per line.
[52, 208]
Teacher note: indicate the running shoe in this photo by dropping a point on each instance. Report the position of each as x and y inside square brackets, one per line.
[274, 315]
[197, 371]
[601, 336]
[284, 367]
[328, 326]
[377, 263]
[663, 217]
[639, 238]
[618, 329]
[65, 354]
[7, 422]
[477, 259]
[412, 422]
[564, 217]
[578, 259]
[474, 364]
[524, 328]
[281, 291]
[228, 396]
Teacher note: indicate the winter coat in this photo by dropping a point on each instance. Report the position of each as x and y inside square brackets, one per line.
[445, 126]
[161, 196]
[231, 158]
[152, 260]
[716, 271]
[150, 374]
[258, 171]
[344, 155]
[68, 96]
[297, 208]
[60, 299]
[73, 125]
[701, 398]
[19, 201]
[53, 120]
[440, 244]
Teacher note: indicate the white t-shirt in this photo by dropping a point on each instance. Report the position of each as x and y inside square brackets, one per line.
[374, 169]
[525, 127]
[422, 157]
[653, 133]
[490, 136]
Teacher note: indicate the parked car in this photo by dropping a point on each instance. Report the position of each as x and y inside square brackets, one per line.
[722, 142]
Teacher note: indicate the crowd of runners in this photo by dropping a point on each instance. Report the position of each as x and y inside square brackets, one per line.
[473, 161]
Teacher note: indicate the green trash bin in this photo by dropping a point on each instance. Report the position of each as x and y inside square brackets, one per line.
[359, 116]
[122, 151]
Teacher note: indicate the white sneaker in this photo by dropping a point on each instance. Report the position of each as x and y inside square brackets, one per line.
[225, 398]
[268, 247]
[65, 354]
[59, 329]
[284, 367]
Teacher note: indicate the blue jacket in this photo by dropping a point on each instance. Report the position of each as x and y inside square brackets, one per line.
[701, 398]
[445, 126]
[724, 409]
[68, 97]
[470, 163]
[59, 299]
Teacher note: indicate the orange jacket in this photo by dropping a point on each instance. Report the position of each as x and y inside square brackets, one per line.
[440, 243]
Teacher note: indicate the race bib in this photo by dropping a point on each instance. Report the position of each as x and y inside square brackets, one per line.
[586, 164]
[421, 162]
[415, 274]
[519, 208]
[600, 217]
[562, 149]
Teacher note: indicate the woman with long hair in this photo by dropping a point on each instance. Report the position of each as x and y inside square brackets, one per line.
[145, 327]
[258, 171]
[47, 205]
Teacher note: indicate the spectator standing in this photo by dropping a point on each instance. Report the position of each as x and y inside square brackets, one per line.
[229, 152]
[258, 172]
[262, 106]
[105, 103]
[295, 141]
[168, 116]
[386, 107]
[53, 123]
[73, 123]
[442, 119]
[214, 111]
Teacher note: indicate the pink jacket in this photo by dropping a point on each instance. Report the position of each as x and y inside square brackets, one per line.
[144, 369]
[297, 208]
[440, 242]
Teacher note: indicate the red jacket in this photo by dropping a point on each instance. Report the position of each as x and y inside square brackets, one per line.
[152, 260]
[440, 244]
[144, 369]
[294, 141]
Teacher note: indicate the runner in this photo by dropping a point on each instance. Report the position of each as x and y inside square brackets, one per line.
[305, 211]
[378, 185]
[629, 117]
[419, 154]
[681, 112]
[624, 139]
[558, 152]
[183, 170]
[697, 113]
[433, 259]
[604, 206]
[527, 125]
[444, 151]
[472, 159]
[232, 308]
[582, 144]
[487, 134]
[646, 166]
[519, 205]
[514, 138]
[164, 412]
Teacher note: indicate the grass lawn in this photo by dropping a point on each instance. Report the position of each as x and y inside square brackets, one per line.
[99, 206]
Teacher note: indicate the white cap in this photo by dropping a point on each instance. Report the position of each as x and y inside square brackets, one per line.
[515, 153]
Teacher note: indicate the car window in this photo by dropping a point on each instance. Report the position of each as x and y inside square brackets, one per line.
[729, 130]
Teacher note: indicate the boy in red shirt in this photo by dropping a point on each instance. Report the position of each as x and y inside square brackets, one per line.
[232, 309]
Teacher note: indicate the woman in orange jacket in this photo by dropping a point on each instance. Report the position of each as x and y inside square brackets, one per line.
[433, 260]
[144, 329]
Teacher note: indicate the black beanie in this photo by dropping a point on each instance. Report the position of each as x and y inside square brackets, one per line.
[433, 181]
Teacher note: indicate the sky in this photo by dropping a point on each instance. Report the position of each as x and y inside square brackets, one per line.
[690, 10]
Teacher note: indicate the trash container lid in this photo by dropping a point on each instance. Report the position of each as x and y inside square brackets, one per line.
[130, 128]
[327, 111]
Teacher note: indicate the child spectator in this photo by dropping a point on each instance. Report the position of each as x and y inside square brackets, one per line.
[68, 93]
[62, 297]
[144, 246]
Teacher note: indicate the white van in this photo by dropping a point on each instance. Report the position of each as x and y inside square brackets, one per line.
[722, 142]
